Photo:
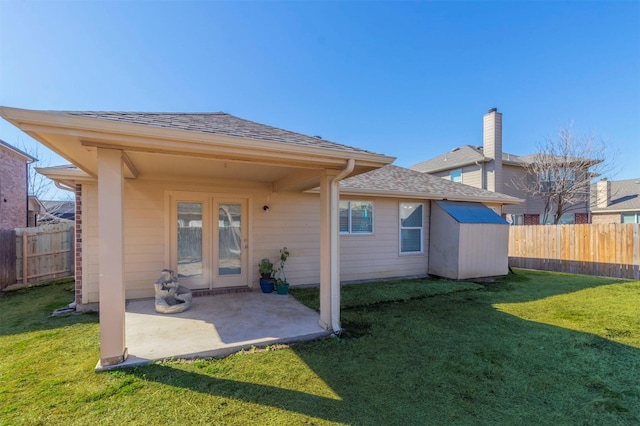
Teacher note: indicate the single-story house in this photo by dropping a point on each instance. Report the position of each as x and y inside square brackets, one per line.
[615, 201]
[56, 210]
[209, 195]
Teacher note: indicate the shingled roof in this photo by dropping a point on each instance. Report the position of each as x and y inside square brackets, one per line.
[29, 158]
[625, 195]
[464, 156]
[218, 123]
[399, 180]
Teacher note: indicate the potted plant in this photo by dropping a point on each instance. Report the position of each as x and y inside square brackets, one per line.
[282, 285]
[266, 272]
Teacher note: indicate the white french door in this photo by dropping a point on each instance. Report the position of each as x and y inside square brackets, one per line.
[230, 248]
[209, 240]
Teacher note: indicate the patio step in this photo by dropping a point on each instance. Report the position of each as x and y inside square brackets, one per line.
[221, 290]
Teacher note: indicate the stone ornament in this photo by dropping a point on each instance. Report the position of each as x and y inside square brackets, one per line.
[171, 297]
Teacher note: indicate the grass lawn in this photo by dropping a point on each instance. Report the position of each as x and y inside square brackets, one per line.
[533, 348]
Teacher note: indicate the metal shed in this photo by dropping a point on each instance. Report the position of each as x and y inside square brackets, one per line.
[467, 240]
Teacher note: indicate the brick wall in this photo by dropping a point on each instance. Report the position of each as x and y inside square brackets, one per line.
[532, 219]
[13, 190]
[582, 218]
[78, 245]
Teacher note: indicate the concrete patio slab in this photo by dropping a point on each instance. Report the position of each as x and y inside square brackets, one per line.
[216, 326]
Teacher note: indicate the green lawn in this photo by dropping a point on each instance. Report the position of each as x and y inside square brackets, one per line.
[534, 348]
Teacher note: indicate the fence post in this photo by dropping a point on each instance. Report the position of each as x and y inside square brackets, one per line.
[7, 258]
[25, 257]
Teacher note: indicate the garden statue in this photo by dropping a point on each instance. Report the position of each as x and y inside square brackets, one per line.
[171, 297]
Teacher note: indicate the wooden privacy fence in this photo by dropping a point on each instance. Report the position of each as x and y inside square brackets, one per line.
[43, 253]
[611, 250]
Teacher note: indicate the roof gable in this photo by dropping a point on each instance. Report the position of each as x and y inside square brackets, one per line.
[28, 158]
[453, 159]
[468, 154]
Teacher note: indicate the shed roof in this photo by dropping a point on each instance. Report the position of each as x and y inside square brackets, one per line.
[464, 212]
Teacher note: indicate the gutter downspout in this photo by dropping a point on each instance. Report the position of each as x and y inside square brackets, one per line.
[63, 186]
[335, 245]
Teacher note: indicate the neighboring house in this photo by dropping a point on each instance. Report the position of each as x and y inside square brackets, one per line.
[488, 167]
[57, 211]
[36, 209]
[615, 201]
[150, 184]
[14, 193]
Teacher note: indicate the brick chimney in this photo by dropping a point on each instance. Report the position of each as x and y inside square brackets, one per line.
[603, 193]
[492, 148]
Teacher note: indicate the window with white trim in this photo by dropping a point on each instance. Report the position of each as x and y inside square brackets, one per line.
[559, 180]
[630, 218]
[565, 219]
[356, 217]
[515, 219]
[411, 227]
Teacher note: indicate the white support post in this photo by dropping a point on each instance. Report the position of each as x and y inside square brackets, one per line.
[330, 246]
[111, 249]
[325, 250]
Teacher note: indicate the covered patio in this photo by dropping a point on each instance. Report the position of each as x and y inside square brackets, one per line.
[133, 172]
[216, 326]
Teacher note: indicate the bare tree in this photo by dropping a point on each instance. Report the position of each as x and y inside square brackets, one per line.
[40, 186]
[560, 173]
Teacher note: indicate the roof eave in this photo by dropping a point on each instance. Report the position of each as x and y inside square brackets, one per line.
[65, 176]
[423, 196]
[105, 133]
[455, 166]
[626, 210]
[28, 158]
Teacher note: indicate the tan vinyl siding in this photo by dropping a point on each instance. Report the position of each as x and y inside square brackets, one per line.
[483, 250]
[513, 185]
[293, 220]
[606, 217]
[472, 176]
[364, 257]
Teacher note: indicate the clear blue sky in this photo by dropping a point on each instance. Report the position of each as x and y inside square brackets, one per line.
[405, 79]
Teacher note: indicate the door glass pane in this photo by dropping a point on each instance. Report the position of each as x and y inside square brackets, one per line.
[229, 239]
[189, 239]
